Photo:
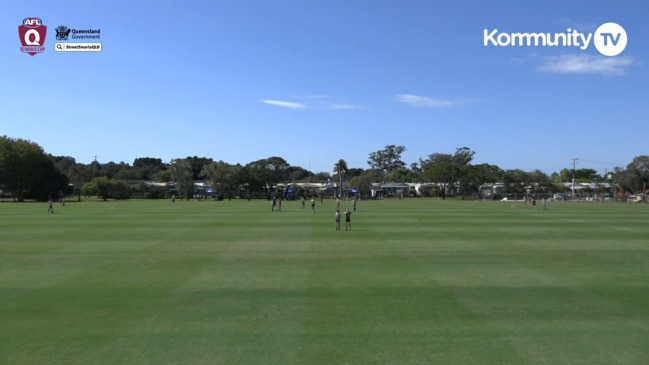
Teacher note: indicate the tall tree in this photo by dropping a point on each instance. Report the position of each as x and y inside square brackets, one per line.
[581, 175]
[463, 156]
[321, 177]
[147, 167]
[267, 173]
[363, 182]
[387, 159]
[181, 175]
[223, 177]
[196, 164]
[350, 172]
[402, 175]
[439, 168]
[79, 174]
[541, 182]
[26, 171]
[475, 177]
[447, 169]
[64, 163]
[107, 188]
[297, 173]
[636, 175]
[516, 181]
[110, 169]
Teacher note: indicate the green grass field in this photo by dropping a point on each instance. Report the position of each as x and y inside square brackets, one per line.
[415, 282]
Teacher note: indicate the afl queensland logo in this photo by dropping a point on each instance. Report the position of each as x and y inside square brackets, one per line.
[32, 35]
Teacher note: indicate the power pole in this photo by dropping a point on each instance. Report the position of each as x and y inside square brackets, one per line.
[574, 168]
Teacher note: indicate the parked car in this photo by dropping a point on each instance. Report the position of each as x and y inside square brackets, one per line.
[635, 198]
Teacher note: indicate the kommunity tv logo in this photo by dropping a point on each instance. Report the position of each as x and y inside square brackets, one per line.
[610, 39]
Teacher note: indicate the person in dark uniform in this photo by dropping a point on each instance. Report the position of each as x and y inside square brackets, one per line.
[338, 220]
[348, 220]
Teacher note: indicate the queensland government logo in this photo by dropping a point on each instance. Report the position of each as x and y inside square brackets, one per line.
[80, 39]
[62, 33]
[32, 35]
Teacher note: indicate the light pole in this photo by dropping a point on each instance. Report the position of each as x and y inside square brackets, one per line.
[574, 167]
[341, 172]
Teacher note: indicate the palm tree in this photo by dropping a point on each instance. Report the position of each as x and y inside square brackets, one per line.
[339, 169]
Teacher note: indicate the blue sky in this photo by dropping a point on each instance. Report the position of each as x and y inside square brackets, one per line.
[317, 81]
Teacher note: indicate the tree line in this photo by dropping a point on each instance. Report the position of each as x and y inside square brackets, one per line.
[28, 172]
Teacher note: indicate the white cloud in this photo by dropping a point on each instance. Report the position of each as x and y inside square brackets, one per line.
[585, 64]
[284, 104]
[317, 101]
[415, 100]
[341, 106]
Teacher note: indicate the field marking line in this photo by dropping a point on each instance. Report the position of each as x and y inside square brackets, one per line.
[620, 228]
[541, 213]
